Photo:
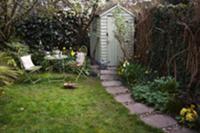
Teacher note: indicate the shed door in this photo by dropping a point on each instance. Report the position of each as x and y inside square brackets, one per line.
[115, 54]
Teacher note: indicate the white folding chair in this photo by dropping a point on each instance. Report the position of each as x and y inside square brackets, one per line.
[29, 67]
[81, 62]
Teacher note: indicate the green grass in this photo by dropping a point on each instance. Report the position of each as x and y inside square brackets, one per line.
[48, 108]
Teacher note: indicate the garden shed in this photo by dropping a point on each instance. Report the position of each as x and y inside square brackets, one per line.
[105, 48]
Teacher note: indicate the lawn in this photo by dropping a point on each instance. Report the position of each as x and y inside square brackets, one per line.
[48, 108]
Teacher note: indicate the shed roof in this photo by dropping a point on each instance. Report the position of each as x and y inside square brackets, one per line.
[109, 7]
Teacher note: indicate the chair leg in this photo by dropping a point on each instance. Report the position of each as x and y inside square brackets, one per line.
[81, 71]
[28, 78]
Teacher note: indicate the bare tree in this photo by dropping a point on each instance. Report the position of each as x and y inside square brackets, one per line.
[12, 11]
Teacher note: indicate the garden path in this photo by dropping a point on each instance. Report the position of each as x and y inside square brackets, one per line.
[148, 115]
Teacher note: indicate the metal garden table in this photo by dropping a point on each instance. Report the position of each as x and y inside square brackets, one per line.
[57, 59]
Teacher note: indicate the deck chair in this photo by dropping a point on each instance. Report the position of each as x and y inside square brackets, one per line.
[29, 68]
[80, 62]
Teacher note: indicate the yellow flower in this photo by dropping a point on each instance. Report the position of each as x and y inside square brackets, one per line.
[195, 114]
[190, 117]
[125, 63]
[64, 48]
[183, 111]
[189, 110]
[72, 53]
[192, 106]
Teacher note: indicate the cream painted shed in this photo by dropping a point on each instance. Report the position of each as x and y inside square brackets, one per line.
[104, 46]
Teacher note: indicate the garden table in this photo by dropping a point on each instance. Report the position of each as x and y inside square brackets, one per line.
[58, 58]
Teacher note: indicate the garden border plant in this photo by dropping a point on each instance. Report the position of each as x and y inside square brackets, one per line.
[171, 48]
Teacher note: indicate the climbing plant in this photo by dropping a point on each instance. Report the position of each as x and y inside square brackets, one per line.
[122, 32]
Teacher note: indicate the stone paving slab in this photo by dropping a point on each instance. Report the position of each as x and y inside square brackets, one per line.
[117, 90]
[112, 68]
[183, 130]
[177, 129]
[111, 83]
[107, 77]
[159, 120]
[94, 66]
[108, 72]
[138, 108]
[124, 98]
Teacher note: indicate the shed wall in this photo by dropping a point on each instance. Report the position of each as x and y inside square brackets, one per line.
[104, 38]
[95, 39]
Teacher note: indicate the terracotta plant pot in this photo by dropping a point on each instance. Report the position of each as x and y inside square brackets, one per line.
[70, 85]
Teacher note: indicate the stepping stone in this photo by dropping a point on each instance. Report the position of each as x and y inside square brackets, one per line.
[117, 90]
[159, 120]
[182, 130]
[109, 77]
[95, 67]
[95, 70]
[138, 108]
[111, 83]
[112, 68]
[108, 72]
[124, 98]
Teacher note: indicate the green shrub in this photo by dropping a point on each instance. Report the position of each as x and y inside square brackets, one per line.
[132, 73]
[150, 96]
[165, 84]
[17, 48]
[158, 93]
[61, 29]
[174, 104]
[8, 69]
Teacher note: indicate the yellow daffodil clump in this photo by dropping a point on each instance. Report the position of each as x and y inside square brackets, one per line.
[188, 114]
[123, 67]
[72, 53]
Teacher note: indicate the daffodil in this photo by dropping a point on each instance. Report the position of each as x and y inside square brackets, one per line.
[189, 117]
[195, 114]
[126, 63]
[183, 111]
[72, 53]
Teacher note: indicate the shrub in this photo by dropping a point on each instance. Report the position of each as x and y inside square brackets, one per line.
[8, 69]
[150, 96]
[131, 72]
[16, 49]
[158, 93]
[174, 104]
[47, 32]
[165, 84]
